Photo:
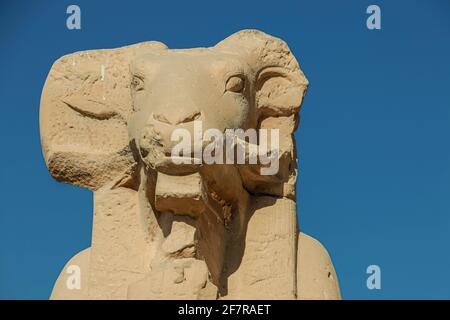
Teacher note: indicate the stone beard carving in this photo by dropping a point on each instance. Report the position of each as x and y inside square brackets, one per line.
[169, 231]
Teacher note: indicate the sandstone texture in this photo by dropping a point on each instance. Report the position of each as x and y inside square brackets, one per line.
[164, 230]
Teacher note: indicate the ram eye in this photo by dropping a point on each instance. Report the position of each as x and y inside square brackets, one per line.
[235, 84]
[137, 83]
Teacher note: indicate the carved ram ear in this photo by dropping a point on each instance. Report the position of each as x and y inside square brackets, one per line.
[279, 82]
[84, 110]
[279, 87]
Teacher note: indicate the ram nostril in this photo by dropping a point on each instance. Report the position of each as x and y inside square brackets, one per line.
[192, 117]
[161, 118]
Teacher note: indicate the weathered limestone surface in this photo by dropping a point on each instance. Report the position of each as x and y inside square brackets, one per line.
[182, 231]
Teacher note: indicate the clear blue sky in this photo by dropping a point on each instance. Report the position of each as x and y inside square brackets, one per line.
[374, 140]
